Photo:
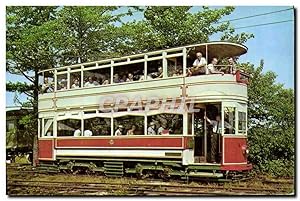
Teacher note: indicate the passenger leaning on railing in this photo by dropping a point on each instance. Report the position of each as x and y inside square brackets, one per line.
[211, 67]
[231, 62]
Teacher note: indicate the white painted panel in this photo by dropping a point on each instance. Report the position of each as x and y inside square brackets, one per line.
[188, 157]
[114, 153]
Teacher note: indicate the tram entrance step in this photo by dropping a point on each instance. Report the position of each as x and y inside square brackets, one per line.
[113, 168]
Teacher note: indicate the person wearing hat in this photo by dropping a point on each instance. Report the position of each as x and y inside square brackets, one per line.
[151, 129]
[119, 131]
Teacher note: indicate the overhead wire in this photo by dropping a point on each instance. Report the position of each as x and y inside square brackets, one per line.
[256, 25]
[251, 16]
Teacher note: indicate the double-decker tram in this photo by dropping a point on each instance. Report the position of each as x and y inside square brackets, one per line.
[178, 112]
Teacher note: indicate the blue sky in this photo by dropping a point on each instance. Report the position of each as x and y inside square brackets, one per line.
[272, 43]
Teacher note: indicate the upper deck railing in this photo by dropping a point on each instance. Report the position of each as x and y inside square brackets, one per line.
[173, 62]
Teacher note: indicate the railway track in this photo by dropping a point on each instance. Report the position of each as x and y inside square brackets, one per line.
[37, 183]
[17, 187]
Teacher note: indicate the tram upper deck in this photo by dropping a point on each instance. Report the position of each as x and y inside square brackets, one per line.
[163, 73]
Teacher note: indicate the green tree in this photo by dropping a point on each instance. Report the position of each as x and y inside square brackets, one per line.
[40, 38]
[171, 26]
[271, 118]
[28, 50]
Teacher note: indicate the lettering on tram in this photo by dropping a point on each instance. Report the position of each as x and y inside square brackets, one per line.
[185, 106]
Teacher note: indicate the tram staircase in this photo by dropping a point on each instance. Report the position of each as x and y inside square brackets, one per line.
[114, 168]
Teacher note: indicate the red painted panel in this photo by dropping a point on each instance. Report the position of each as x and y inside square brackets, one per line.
[234, 150]
[121, 142]
[46, 149]
[236, 167]
[187, 142]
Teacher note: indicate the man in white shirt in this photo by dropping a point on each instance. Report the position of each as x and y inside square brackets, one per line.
[199, 65]
[90, 82]
[77, 132]
[88, 133]
[211, 67]
[119, 131]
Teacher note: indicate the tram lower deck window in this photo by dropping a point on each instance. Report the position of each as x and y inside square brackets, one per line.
[68, 127]
[229, 120]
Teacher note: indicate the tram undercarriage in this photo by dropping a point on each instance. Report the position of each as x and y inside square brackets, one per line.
[141, 168]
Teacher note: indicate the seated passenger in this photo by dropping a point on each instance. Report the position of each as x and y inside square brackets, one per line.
[151, 129]
[116, 78]
[77, 132]
[47, 87]
[132, 130]
[62, 85]
[95, 82]
[104, 80]
[160, 72]
[130, 78]
[232, 64]
[155, 75]
[90, 82]
[75, 84]
[119, 131]
[163, 130]
[211, 67]
[123, 79]
[87, 133]
[199, 66]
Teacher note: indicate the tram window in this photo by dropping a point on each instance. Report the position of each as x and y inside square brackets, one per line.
[242, 123]
[48, 127]
[68, 127]
[129, 125]
[154, 69]
[96, 77]
[98, 126]
[75, 81]
[175, 66]
[129, 73]
[165, 124]
[62, 82]
[229, 120]
[46, 82]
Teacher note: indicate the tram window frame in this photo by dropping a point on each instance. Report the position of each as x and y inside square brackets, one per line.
[231, 122]
[97, 73]
[60, 81]
[175, 66]
[79, 123]
[87, 120]
[73, 76]
[49, 86]
[152, 69]
[242, 122]
[45, 131]
[137, 69]
[141, 129]
[159, 123]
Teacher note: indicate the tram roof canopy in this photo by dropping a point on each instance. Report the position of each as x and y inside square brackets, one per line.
[219, 49]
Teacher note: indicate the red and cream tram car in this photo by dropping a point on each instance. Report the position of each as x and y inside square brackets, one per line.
[147, 114]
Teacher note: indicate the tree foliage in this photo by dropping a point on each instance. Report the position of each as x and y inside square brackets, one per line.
[271, 124]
